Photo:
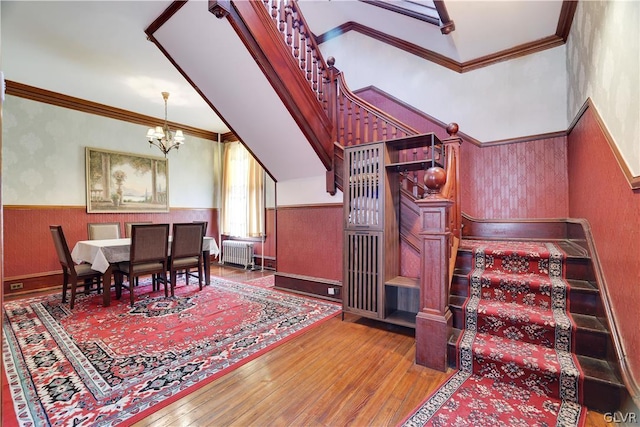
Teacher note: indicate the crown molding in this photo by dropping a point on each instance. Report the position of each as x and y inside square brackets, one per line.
[565, 20]
[59, 100]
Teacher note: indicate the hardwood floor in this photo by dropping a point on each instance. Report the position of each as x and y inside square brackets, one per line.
[355, 372]
[351, 372]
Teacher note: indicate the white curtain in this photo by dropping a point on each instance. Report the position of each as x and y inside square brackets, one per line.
[243, 201]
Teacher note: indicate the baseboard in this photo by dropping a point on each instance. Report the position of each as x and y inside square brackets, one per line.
[312, 286]
[32, 282]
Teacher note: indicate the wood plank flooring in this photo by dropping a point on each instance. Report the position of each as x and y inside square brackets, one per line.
[355, 372]
[351, 372]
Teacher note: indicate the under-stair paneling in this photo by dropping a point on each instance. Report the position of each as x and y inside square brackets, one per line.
[28, 248]
[310, 241]
[599, 192]
[409, 261]
[502, 181]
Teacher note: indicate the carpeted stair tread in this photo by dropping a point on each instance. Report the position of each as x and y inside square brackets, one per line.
[551, 372]
[530, 289]
[536, 357]
[525, 323]
[591, 334]
[594, 369]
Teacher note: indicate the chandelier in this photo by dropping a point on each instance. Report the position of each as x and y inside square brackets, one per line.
[161, 136]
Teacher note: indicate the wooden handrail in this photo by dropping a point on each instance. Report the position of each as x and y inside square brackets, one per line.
[354, 121]
[360, 122]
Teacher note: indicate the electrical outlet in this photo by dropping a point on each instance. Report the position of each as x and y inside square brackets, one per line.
[332, 291]
[15, 286]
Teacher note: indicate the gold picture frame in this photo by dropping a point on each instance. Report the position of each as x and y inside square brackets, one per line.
[119, 182]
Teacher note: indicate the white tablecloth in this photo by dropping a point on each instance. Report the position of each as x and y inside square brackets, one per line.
[101, 253]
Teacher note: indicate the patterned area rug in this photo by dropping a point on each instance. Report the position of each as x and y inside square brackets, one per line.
[97, 366]
[515, 360]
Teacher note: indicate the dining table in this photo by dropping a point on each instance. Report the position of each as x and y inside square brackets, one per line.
[104, 254]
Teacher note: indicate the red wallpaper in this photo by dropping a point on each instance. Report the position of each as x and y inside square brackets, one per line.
[599, 192]
[310, 241]
[28, 248]
[520, 180]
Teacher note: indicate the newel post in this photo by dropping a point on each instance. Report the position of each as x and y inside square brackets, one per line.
[331, 93]
[434, 321]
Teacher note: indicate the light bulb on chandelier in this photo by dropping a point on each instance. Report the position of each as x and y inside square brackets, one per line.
[162, 137]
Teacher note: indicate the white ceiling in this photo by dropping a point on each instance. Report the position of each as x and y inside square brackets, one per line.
[97, 50]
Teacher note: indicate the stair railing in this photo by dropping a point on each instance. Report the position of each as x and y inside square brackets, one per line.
[296, 34]
[355, 121]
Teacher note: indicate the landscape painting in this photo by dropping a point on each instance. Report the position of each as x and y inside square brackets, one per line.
[126, 182]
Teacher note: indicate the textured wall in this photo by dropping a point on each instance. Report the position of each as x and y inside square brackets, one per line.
[28, 248]
[599, 192]
[43, 156]
[521, 180]
[603, 63]
[310, 241]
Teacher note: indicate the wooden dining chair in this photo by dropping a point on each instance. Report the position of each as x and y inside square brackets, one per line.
[103, 230]
[148, 255]
[127, 226]
[72, 273]
[205, 224]
[186, 251]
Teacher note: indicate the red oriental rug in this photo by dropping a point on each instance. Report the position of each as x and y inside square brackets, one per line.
[97, 366]
[515, 359]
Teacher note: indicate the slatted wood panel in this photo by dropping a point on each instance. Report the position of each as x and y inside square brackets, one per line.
[364, 196]
[363, 264]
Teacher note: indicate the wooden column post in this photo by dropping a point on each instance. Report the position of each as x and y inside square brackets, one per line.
[331, 93]
[433, 322]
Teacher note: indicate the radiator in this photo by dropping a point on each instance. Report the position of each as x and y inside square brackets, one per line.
[237, 252]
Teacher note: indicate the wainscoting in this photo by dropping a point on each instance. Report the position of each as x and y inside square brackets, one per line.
[29, 255]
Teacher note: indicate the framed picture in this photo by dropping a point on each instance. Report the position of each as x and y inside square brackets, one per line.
[126, 182]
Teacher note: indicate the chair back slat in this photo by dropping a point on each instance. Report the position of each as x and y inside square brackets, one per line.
[187, 240]
[103, 230]
[149, 242]
[60, 243]
[128, 225]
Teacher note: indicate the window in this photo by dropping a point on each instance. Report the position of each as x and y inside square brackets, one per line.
[243, 200]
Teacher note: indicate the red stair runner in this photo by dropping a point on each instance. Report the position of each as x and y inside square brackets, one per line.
[515, 355]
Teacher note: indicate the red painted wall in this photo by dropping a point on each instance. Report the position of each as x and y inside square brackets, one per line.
[599, 192]
[28, 248]
[310, 241]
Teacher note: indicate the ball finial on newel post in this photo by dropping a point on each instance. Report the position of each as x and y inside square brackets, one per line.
[331, 61]
[434, 179]
[452, 129]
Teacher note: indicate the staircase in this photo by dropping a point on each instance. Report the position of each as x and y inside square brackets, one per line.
[320, 115]
[593, 344]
